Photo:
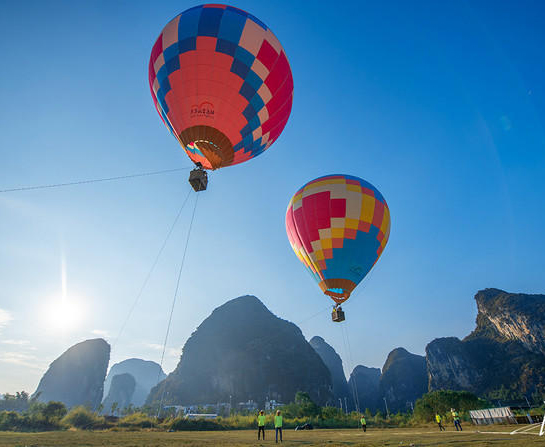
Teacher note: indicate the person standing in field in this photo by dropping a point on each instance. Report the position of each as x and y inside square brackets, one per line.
[363, 423]
[456, 419]
[439, 419]
[261, 425]
[278, 425]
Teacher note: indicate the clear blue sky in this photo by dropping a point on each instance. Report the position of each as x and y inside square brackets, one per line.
[441, 105]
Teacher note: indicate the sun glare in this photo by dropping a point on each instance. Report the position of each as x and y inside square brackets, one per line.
[63, 314]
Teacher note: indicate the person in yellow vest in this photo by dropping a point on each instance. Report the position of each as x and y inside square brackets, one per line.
[439, 419]
[363, 423]
[456, 419]
[278, 425]
[261, 424]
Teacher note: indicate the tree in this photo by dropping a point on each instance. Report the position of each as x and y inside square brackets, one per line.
[10, 420]
[23, 395]
[302, 407]
[331, 413]
[19, 401]
[53, 412]
[302, 397]
[442, 401]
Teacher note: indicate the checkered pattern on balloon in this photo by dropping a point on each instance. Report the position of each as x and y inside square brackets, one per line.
[338, 226]
[222, 84]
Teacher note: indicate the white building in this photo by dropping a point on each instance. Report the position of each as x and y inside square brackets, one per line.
[272, 405]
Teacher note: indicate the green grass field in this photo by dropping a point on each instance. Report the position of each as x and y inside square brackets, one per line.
[418, 437]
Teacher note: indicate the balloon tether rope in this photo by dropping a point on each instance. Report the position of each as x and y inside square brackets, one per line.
[148, 276]
[97, 180]
[348, 351]
[174, 303]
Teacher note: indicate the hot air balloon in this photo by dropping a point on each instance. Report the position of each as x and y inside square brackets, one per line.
[222, 85]
[338, 226]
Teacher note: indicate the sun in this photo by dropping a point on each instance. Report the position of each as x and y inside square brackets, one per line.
[63, 314]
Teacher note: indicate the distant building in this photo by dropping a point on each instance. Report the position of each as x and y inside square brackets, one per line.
[201, 416]
[216, 408]
[249, 405]
[272, 405]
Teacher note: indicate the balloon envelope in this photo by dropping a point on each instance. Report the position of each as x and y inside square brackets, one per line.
[222, 84]
[338, 226]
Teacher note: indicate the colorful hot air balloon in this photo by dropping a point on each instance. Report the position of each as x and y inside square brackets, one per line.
[222, 84]
[338, 226]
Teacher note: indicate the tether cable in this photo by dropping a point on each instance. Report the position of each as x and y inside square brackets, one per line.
[97, 180]
[148, 276]
[350, 365]
[312, 316]
[174, 303]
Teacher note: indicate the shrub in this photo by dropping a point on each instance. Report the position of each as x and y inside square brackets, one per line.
[53, 412]
[39, 416]
[81, 417]
[137, 420]
[10, 421]
[194, 424]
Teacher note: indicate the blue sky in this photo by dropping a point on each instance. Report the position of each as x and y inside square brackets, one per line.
[440, 105]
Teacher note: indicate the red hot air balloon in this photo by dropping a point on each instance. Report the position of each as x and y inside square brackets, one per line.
[222, 84]
[338, 226]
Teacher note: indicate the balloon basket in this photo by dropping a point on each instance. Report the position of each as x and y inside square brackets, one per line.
[337, 315]
[198, 179]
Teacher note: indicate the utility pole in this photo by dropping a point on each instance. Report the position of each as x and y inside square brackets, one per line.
[387, 411]
[345, 406]
[341, 402]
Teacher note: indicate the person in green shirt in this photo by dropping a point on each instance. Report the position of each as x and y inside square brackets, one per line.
[456, 419]
[278, 425]
[363, 423]
[261, 425]
[438, 419]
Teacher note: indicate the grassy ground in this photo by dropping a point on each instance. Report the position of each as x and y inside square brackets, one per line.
[418, 437]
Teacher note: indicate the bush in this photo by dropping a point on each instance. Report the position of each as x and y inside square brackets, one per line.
[39, 416]
[240, 421]
[81, 417]
[10, 421]
[45, 416]
[53, 412]
[401, 419]
[137, 420]
[194, 424]
[331, 413]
